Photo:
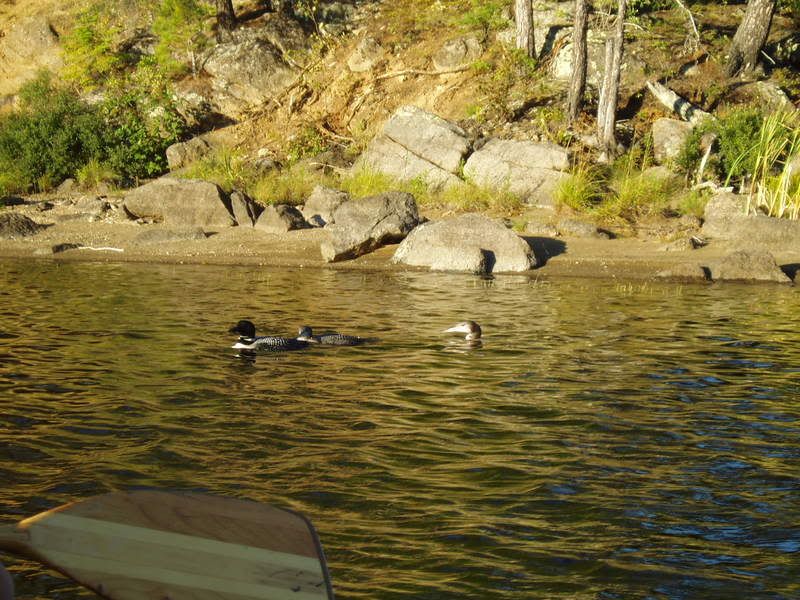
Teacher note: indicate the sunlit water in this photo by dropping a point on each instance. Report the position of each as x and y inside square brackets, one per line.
[607, 441]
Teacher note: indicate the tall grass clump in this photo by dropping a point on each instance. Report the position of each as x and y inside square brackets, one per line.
[582, 189]
[775, 183]
[227, 168]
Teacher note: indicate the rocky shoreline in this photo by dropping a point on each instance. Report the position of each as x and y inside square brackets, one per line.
[101, 228]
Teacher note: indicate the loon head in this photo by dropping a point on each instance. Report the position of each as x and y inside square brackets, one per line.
[471, 328]
[306, 335]
[244, 328]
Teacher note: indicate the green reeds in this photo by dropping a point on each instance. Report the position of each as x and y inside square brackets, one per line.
[775, 183]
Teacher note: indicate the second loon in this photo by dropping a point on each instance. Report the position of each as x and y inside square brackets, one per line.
[267, 343]
[330, 339]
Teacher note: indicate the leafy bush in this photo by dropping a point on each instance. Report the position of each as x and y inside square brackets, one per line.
[307, 142]
[143, 121]
[90, 48]
[736, 133]
[49, 138]
[485, 15]
[179, 25]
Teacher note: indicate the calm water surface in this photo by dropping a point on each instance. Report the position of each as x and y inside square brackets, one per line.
[607, 441]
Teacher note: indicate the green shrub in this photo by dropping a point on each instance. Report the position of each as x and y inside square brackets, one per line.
[52, 135]
[307, 142]
[91, 48]
[143, 121]
[227, 168]
[179, 26]
[737, 132]
[95, 172]
[287, 186]
[485, 15]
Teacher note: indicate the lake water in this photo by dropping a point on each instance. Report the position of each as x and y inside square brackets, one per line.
[608, 440]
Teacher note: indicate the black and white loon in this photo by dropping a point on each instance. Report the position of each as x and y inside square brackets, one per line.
[471, 328]
[267, 343]
[330, 339]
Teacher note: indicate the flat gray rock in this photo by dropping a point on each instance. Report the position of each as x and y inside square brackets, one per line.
[161, 235]
[321, 204]
[428, 137]
[363, 225]
[450, 245]
[727, 218]
[531, 170]
[669, 136]
[748, 265]
[280, 218]
[180, 202]
[387, 156]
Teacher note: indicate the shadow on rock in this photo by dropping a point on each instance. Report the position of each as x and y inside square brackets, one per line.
[791, 270]
[545, 248]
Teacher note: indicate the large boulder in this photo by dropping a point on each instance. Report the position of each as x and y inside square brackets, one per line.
[321, 204]
[530, 170]
[14, 225]
[387, 156]
[458, 53]
[428, 136]
[748, 265]
[361, 226]
[280, 218]
[180, 202]
[632, 71]
[27, 47]
[669, 136]
[246, 72]
[244, 209]
[450, 245]
[417, 144]
[730, 217]
[182, 154]
[367, 54]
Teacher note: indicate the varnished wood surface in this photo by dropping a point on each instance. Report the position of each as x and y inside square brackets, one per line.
[157, 545]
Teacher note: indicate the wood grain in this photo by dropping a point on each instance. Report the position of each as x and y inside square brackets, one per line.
[159, 545]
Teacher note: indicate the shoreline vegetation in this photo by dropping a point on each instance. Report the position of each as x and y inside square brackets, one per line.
[301, 103]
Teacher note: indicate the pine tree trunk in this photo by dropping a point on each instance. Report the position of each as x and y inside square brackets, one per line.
[226, 18]
[523, 16]
[607, 105]
[577, 84]
[750, 37]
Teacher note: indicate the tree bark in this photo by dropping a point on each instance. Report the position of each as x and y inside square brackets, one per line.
[226, 18]
[750, 37]
[577, 85]
[607, 105]
[523, 17]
